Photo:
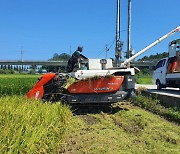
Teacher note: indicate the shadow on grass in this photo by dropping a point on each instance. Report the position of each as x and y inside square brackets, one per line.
[96, 109]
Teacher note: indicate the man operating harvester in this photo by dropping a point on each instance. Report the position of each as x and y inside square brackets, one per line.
[75, 58]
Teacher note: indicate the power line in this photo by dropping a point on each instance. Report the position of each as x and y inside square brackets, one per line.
[103, 50]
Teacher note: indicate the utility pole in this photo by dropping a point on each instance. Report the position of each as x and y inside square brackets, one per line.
[128, 53]
[119, 44]
[70, 50]
[21, 54]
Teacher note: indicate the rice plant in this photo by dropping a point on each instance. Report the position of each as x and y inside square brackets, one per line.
[29, 126]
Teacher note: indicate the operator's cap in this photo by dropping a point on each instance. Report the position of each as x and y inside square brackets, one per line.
[80, 48]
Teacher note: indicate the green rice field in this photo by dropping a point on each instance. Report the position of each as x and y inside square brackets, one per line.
[31, 126]
[21, 84]
[27, 125]
[16, 84]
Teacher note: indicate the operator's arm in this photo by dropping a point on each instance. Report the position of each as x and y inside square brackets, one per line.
[82, 56]
[76, 54]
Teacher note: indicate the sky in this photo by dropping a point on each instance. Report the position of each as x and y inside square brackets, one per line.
[40, 28]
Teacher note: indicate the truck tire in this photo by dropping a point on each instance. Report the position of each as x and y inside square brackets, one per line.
[159, 85]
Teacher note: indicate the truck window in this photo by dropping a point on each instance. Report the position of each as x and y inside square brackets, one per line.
[160, 63]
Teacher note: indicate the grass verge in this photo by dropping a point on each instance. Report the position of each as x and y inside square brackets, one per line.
[130, 130]
[153, 105]
[143, 79]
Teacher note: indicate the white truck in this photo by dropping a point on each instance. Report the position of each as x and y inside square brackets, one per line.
[167, 70]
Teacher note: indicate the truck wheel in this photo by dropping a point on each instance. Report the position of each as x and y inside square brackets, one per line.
[159, 86]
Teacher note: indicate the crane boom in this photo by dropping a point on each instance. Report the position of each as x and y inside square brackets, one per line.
[177, 29]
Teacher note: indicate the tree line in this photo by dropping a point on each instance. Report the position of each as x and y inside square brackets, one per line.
[10, 69]
[156, 57]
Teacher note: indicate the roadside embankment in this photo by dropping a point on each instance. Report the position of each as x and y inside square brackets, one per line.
[169, 97]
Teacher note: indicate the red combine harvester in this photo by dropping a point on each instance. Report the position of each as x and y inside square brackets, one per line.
[107, 89]
[100, 85]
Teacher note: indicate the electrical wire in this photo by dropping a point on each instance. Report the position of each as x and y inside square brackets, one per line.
[101, 51]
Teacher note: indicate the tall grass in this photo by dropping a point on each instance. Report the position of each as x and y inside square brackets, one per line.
[29, 126]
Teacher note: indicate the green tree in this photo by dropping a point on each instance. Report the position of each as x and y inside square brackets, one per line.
[63, 56]
[58, 57]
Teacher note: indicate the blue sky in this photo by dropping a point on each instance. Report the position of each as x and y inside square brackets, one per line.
[44, 27]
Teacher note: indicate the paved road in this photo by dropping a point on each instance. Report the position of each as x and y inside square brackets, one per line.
[175, 92]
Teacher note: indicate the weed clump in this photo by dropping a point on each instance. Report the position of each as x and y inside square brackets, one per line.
[141, 89]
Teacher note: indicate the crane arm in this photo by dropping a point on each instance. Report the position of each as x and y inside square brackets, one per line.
[177, 29]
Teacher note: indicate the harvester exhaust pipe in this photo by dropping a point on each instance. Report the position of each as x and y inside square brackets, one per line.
[177, 29]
